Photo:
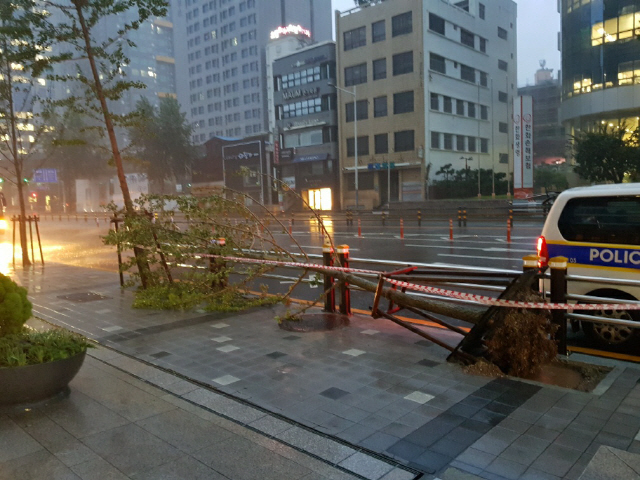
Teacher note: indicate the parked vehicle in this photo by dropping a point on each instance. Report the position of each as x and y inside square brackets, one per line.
[597, 229]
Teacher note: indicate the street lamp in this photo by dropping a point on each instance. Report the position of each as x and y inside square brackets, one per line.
[355, 131]
[466, 165]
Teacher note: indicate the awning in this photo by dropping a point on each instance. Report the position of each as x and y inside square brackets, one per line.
[310, 158]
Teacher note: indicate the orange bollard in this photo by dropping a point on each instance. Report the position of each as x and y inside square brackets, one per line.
[359, 228]
[450, 229]
[508, 231]
[401, 228]
[290, 227]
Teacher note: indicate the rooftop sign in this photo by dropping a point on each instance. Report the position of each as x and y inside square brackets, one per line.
[289, 30]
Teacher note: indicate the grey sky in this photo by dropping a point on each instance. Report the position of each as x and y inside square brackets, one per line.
[538, 27]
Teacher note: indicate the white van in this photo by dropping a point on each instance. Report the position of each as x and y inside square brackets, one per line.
[598, 229]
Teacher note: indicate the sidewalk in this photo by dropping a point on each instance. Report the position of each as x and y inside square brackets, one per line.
[369, 401]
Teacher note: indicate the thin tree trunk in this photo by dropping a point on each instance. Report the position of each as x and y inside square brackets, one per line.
[143, 265]
[17, 166]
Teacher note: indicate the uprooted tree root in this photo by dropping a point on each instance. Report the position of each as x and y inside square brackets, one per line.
[523, 341]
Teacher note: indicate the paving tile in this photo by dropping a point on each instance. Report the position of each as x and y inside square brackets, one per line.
[228, 348]
[183, 430]
[366, 466]
[276, 355]
[354, 352]
[431, 462]
[334, 393]
[221, 339]
[476, 458]
[181, 468]
[525, 449]
[506, 468]
[557, 460]
[131, 449]
[15, 441]
[419, 397]
[36, 465]
[323, 447]
[226, 380]
[230, 459]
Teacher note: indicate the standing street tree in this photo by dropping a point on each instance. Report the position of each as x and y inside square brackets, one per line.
[607, 154]
[21, 63]
[161, 138]
[99, 63]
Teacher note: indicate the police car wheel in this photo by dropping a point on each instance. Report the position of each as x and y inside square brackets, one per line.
[613, 337]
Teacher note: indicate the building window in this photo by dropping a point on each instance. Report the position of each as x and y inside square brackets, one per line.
[502, 97]
[481, 11]
[471, 142]
[381, 143]
[402, 63]
[468, 74]
[404, 141]
[460, 143]
[437, 63]
[361, 106]
[484, 112]
[503, 158]
[435, 140]
[502, 65]
[502, 33]
[483, 44]
[355, 38]
[459, 107]
[355, 75]
[435, 101]
[502, 127]
[379, 69]
[403, 102]
[471, 110]
[467, 38]
[363, 146]
[436, 24]
[401, 24]
[447, 104]
[483, 79]
[448, 141]
[484, 145]
[378, 32]
[380, 106]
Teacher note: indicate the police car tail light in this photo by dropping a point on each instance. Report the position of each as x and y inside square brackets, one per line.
[543, 255]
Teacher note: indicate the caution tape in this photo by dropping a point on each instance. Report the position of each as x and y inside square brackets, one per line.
[482, 299]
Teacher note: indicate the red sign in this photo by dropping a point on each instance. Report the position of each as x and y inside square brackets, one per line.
[276, 152]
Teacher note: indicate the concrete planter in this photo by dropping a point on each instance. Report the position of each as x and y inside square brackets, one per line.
[33, 383]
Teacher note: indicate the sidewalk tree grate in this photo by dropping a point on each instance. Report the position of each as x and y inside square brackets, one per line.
[83, 297]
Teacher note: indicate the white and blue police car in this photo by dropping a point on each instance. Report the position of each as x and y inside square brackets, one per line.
[597, 229]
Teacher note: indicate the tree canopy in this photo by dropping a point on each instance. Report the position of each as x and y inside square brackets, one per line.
[607, 154]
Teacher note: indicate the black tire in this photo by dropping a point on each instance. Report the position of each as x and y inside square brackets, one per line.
[610, 337]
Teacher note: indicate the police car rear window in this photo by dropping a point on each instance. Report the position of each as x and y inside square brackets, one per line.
[614, 220]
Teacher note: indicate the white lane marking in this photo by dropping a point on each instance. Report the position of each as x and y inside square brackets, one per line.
[490, 249]
[478, 256]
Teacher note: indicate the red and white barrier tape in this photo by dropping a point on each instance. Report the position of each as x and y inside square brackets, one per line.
[482, 299]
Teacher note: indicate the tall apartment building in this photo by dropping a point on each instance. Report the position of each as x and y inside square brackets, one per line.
[600, 69]
[220, 59]
[433, 82]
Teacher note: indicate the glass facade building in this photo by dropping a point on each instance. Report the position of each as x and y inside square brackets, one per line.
[600, 63]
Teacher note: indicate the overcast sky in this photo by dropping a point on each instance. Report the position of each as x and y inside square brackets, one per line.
[538, 27]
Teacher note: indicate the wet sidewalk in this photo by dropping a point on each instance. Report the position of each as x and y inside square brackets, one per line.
[371, 400]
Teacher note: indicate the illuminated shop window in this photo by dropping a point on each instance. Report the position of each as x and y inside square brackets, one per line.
[614, 29]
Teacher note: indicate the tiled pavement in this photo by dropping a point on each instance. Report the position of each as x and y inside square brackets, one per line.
[373, 389]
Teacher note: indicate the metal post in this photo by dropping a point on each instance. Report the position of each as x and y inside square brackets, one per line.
[355, 134]
[13, 247]
[459, 216]
[30, 219]
[329, 292]
[508, 231]
[464, 217]
[115, 221]
[511, 216]
[39, 242]
[558, 266]
[359, 228]
[450, 229]
[401, 229]
[345, 295]
[531, 262]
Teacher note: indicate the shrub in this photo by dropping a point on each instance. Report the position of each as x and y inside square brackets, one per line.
[15, 308]
[17, 350]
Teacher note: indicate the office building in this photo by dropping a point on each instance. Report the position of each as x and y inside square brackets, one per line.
[220, 59]
[600, 69]
[306, 127]
[433, 83]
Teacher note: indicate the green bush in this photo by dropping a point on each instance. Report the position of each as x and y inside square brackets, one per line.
[17, 350]
[15, 308]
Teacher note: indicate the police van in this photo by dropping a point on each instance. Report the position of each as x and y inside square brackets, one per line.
[597, 229]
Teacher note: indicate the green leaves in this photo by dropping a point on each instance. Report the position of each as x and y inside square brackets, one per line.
[15, 308]
[607, 154]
